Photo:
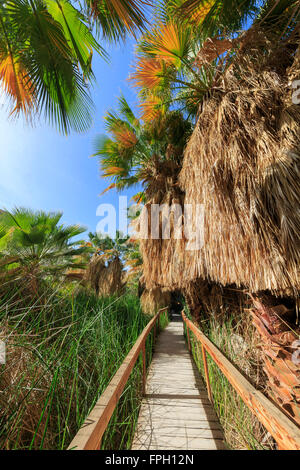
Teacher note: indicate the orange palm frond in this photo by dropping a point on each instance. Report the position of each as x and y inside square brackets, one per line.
[107, 255]
[135, 269]
[16, 84]
[113, 171]
[169, 42]
[125, 137]
[133, 262]
[147, 73]
[151, 108]
[111, 186]
[138, 198]
[124, 13]
[198, 14]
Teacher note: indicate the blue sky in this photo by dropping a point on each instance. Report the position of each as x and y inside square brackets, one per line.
[41, 169]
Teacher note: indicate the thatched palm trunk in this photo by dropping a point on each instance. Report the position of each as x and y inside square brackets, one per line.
[104, 279]
[93, 271]
[110, 278]
[280, 346]
[154, 299]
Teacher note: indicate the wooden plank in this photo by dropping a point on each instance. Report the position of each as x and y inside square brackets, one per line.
[284, 431]
[144, 366]
[169, 432]
[168, 428]
[176, 412]
[202, 445]
[177, 421]
[90, 434]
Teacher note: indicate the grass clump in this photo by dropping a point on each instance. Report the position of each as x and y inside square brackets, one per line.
[62, 351]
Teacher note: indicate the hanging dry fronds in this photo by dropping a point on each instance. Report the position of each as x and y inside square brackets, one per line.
[211, 50]
[243, 165]
[279, 344]
[154, 299]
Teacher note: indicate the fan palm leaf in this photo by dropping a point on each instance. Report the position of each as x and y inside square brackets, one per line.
[151, 108]
[38, 246]
[16, 85]
[215, 16]
[169, 42]
[46, 49]
[116, 17]
[79, 37]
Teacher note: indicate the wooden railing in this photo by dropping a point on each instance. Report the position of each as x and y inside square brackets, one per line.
[283, 430]
[90, 434]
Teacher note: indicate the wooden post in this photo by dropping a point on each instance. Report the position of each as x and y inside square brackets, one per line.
[188, 335]
[144, 367]
[206, 374]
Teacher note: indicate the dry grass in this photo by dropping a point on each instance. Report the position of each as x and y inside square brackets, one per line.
[31, 382]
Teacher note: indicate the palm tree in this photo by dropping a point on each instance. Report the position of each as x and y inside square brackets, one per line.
[167, 72]
[133, 260]
[139, 152]
[108, 248]
[38, 248]
[105, 272]
[46, 49]
[191, 43]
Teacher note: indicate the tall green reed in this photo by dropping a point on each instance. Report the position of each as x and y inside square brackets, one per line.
[62, 351]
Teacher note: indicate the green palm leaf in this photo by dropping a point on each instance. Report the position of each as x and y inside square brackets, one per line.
[38, 246]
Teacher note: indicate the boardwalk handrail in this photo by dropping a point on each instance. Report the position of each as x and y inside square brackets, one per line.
[90, 434]
[283, 430]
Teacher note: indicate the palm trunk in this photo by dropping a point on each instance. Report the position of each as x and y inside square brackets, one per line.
[280, 348]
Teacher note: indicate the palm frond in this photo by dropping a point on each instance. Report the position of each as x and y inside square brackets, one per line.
[148, 73]
[42, 43]
[78, 35]
[117, 17]
[170, 42]
[15, 83]
[152, 108]
[219, 16]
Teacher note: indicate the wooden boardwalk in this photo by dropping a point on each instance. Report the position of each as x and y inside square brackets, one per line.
[176, 413]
